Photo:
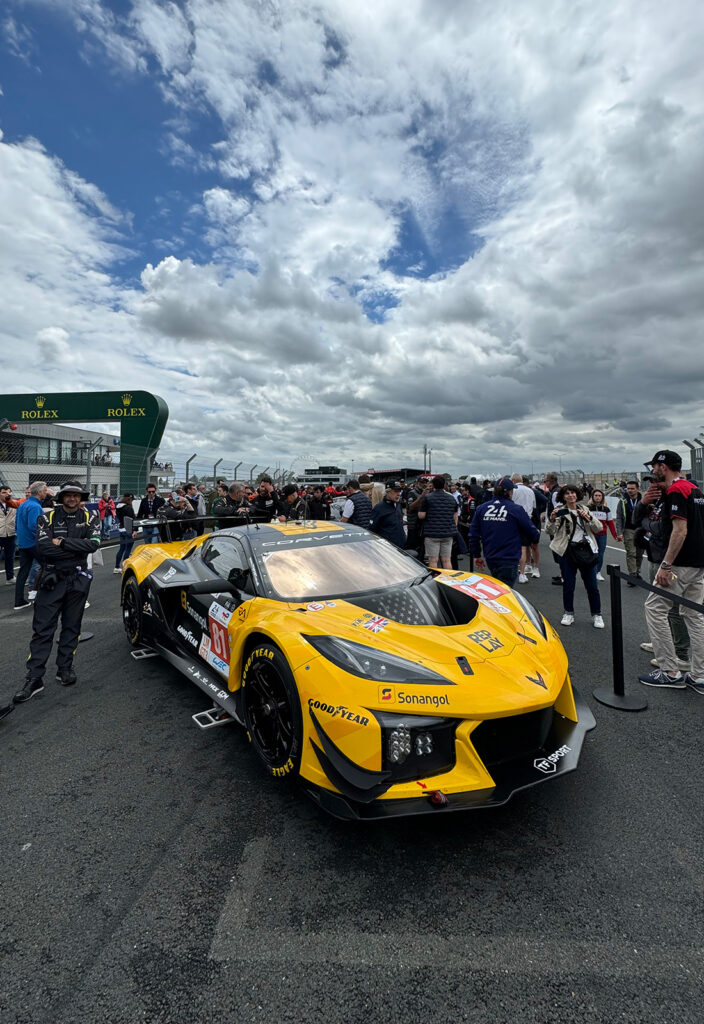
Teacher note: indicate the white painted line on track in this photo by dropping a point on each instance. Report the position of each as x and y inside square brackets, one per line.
[238, 938]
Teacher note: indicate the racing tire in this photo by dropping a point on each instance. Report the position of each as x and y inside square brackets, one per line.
[272, 711]
[132, 616]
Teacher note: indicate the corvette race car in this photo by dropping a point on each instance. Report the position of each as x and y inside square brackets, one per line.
[388, 689]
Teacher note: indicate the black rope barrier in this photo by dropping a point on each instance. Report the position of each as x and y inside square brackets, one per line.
[617, 697]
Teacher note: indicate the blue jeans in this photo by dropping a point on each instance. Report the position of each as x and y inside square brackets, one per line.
[503, 569]
[126, 545]
[601, 539]
[569, 579]
[151, 534]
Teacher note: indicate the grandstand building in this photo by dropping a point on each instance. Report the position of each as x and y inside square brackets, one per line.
[56, 453]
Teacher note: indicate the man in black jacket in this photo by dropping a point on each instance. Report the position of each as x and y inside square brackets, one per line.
[66, 536]
[387, 517]
[232, 507]
[148, 508]
[266, 500]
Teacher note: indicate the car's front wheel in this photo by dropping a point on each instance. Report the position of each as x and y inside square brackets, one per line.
[132, 611]
[272, 710]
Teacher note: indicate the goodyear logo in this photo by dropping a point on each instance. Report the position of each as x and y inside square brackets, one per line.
[261, 652]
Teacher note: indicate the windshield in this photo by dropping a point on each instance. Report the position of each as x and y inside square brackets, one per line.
[336, 570]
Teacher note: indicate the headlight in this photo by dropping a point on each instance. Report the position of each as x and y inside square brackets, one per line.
[414, 746]
[535, 617]
[370, 664]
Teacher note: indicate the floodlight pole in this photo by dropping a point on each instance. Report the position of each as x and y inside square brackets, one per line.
[90, 448]
[188, 466]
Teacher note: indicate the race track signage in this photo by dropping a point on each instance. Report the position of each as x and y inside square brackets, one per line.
[142, 418]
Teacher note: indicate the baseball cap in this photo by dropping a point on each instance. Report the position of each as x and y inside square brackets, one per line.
[394, 485]
[671, 459]
[506, 483]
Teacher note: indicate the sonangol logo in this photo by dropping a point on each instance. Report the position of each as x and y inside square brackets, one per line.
[547, 765]
[386, 693]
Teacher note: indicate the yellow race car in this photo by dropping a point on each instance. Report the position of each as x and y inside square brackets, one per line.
[386, 688]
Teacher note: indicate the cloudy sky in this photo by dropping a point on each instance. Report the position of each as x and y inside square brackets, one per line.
[334, 231]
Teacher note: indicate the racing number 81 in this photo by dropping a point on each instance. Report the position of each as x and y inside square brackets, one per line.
[219, 641]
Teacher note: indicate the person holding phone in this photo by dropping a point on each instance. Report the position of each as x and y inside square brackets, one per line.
[573, 527]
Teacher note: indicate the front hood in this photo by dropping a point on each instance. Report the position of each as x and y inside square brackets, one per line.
[495, 665]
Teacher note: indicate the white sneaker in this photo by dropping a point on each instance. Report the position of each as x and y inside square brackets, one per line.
[646, 647]
[536, 573]
[522, 578]
[600, 577]
[31, 595]
[117, 570]
[598, 621]
[567, 619]
[528, 570]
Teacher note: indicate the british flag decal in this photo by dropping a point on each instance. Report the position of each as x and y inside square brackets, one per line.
[376, 625]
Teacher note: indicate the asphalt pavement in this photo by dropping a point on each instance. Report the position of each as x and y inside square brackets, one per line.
[151, 872]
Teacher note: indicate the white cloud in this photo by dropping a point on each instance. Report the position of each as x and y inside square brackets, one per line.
[567, 140]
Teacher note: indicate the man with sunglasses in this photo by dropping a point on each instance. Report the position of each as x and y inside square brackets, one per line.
[148, 509]
[681, 572]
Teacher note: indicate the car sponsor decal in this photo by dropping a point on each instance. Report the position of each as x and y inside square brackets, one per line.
[547, 765]
[539, 681]
[377, 624]
[395, 695]
[197, 674]
[187, 635]
[207, 654]
[315, 606]
[338, 711]
[483, 590]
[220, 614]
[168, 574]
[220, 641]
[190, 610]
[484, 639]
[331, 604]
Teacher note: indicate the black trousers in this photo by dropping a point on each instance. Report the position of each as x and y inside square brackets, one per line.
[67, 600]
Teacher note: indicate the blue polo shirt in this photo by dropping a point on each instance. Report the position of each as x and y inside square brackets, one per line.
[26, 522]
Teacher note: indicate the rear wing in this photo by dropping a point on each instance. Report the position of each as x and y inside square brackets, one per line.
[193, 526]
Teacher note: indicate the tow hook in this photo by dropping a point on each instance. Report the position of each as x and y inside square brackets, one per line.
[438, 798]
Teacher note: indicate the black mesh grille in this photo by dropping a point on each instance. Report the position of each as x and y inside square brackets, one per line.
[500, 741]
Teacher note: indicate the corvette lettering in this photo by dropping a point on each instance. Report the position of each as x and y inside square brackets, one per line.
[339, 711]
[547, 765]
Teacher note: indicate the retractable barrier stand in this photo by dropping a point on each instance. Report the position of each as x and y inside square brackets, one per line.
[617, 698]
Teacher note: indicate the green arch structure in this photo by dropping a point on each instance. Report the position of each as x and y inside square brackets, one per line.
[141, 415]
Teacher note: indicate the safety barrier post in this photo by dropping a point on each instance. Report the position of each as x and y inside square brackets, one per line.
[617, 698]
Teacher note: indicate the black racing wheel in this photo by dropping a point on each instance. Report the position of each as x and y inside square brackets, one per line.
[132, 616]
[272, 710]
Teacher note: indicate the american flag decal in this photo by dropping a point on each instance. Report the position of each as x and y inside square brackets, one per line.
[376, 625]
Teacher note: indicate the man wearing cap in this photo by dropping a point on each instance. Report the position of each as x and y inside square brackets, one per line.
[65, 537]
[501, 528]
[681, 572]
[387, 517]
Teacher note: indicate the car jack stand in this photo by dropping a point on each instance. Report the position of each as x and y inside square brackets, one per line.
[213, 716]
[144, 652]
